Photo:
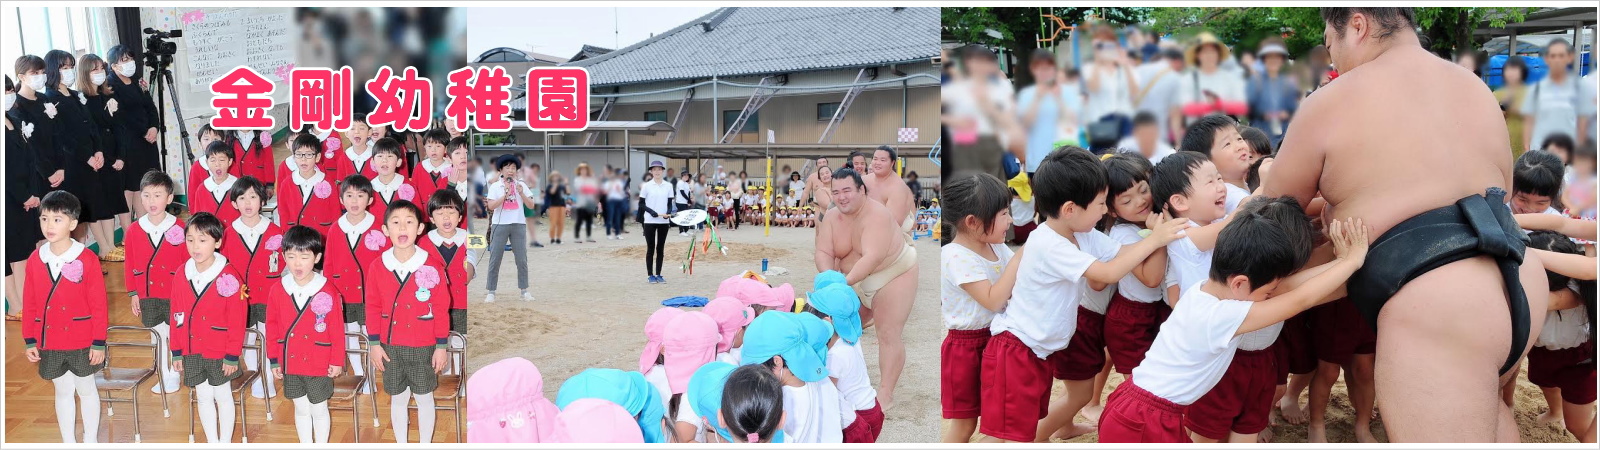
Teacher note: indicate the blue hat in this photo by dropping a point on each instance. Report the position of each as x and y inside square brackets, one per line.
[627, 389]
[826, 278]
[801, 339]
[705, 394]
[842, 305]
[655, 164]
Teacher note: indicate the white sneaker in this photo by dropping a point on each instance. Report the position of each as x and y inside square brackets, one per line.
[527, 296]
[489, 298]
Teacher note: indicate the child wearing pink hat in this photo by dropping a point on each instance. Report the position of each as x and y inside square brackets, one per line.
[691, 342]
[732, 316]
[596, 421]
[506, 404]
[758, 295]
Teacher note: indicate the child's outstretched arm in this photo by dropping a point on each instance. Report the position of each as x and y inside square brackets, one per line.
[1578, 228]
[993, 296]
[1107, 273]
[1204, 237]
[1350, 245]
[1564, 298]
[1575, 266]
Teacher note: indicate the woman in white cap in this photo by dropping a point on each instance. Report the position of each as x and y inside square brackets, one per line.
[1274, 95]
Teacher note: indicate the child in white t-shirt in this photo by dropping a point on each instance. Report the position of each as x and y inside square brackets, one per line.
[835, 302]
[1187, 185]
[971, 291]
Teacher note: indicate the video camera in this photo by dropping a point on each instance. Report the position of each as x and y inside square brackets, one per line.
[158, 50]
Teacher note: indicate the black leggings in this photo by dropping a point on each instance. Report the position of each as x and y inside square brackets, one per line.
[738, 211]
[584, 224]
[655, 240]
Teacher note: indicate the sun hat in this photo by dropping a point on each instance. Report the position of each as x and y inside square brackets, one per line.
[627, 389]
[1203, 39]
[506, 404]
[597, 421]
[691, 342]
[731, 316]
[843, 306]
[654, 331]
[801, 339]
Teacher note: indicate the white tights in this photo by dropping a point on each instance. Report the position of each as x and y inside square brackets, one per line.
[311, 416]
[88, 402]
[216, 407]
[251, 358]
[400, 417]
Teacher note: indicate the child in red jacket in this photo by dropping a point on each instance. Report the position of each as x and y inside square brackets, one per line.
[389, 184]
[208, 322]
[354, 241]
[354, 158]
[254, 150]
[199, 170]
[155, 251]
[306, 193]
[305, 343]
[408, 329]
[210, 195]
[251, 245]
[432, 173]
[448, 243]
[64, 315]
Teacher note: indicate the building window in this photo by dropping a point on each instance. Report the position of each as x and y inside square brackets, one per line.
[655, 116]
[825, 111]
[750, 126]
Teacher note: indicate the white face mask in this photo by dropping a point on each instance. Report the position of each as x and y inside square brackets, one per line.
[99, 78]
[68, 77]
[126, 68]
[36, 82]
[11, 99]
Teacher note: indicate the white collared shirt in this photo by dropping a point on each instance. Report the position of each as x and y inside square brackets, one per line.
[245, 137]
[427, 164]
[438, 239]
[355, 230]
[251, 235]
[307, 185]
[360, 160]
[156, 231]
[407, 267]
[219, 191]
[200, 279]
[55, 262]
[387, 190]
[302, 294]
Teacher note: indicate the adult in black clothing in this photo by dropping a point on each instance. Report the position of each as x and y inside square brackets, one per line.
[92, 75]
[685, 196]
[134, 124]
[77, 139]
[26, 186]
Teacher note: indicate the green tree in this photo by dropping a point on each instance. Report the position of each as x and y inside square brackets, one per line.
[1445, 29]
[1016, 31]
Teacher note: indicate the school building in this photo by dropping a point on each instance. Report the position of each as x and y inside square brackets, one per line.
[825, 81]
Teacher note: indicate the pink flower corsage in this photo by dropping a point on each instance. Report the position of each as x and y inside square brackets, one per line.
[266, 138]
[321, 305]
[275, 243]
[73, 271]
[227, 285]
[374, 240]
[322, 189]
[333, 143]
[174, 235]
[427, 279]
[407, 192]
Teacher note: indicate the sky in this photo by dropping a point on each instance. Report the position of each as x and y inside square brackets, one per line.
[563, 31]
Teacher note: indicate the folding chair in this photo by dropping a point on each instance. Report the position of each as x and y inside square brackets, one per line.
[452, 385]
[237, 387]
[114, 379]
[347, 387]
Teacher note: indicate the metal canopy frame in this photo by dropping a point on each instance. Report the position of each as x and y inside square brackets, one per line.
[629, 128]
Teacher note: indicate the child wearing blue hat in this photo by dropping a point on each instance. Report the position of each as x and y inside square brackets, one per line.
[626, 389]
[794, 347]
[835, 302]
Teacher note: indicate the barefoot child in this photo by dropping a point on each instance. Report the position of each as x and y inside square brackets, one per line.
[211, 194]
[65, 279]
[305, 343]
[795, 348]
[354, 241]
[1193, 354]
[155, 251]
[1561, 362]
[251, 244]
[208, 317]
[1039, 320]
[1137, 310]
[308, 197]
[971, 289]
[388, 184]
[835, 302]
[407, 309]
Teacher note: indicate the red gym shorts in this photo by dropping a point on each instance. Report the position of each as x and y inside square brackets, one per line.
[1016, 389]
[960, 360]
[1085, 354]
[1133, 415]
[1571, 369]
[1338, 332]
[867, 427]
[1241, 402]
[1295, 355]
[1130, 329]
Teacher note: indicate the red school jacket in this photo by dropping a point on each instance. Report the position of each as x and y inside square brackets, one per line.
[217, 203]
[198, 173]
[405, 191]
[293, 341]
[331, 146]
[209, 321]
[254, 158]
[254, 260]
[397, 314]
[455, 265]
[428, 182]
[345, 262]
[149, 265]
[64, 311]
[316, 207]
[341, 166]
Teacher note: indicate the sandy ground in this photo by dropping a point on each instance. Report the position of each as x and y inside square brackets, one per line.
[592, 301]
[1341, 416]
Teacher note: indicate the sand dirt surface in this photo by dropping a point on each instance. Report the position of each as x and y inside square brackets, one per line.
[592, 301]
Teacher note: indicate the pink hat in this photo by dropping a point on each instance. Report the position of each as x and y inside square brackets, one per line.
[731, 315]
[691, 342]
[592, 420]
[506, 404]
[753, 292]
[654, 331]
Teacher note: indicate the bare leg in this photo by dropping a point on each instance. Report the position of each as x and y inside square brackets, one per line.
[1321, 388]
[135, 204]
[1058, 422]
[1198, 439]
[959, 431]
[1092, 410]
[105, 234]
[1236, 438]
[1580, 421]
[1552, 398]
[892, 306]
[1453, 324]
[1363, 396]
[1588, 436]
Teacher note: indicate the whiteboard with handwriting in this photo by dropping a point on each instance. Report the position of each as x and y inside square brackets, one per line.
[218, 40]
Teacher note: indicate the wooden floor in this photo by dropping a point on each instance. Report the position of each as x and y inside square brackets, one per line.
[30, 401]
